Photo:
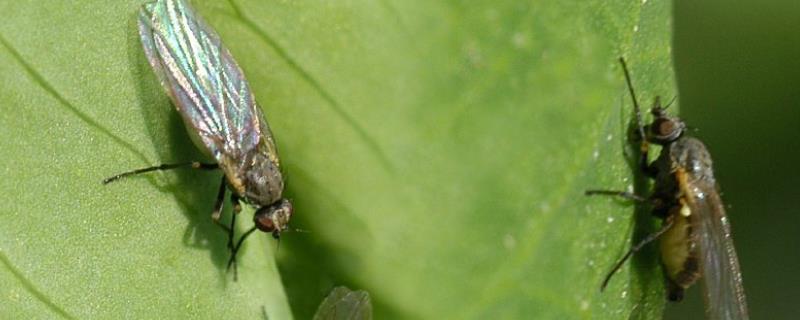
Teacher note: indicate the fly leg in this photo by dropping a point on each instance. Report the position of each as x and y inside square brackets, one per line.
[216, 214]
[236, 209]
[656, 202]
[650, 238]
[229, 229]
[622, 194]
[192, 165]
[644, 146]
[235, 250]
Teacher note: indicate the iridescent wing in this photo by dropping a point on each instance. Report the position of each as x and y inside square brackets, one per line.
[345, 304]
[722, 278]
[206, 85]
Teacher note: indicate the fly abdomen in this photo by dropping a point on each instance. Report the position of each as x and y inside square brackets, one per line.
[690, 272]
[684, 279]
[679, 252]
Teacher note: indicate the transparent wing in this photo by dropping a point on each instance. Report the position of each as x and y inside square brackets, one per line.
[206, 85]
[722, 278]
[345, 304]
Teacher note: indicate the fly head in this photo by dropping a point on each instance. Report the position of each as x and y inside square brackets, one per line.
[274, 218]
[664, 128]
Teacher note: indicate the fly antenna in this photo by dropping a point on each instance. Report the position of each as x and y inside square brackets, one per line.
[670, 102]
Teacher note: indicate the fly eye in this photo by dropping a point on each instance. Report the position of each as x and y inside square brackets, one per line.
[263, 221]
[666, 129]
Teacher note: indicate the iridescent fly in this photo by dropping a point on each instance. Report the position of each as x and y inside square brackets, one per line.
[695, 235]
[211, 94]
[345, 304]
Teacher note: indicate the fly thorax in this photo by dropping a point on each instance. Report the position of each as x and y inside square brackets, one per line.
[263, 182]
[691, 155]
[666, 186]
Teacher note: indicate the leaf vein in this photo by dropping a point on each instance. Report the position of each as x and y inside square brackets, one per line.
[371, 144]
[28, 285]
[42, 82]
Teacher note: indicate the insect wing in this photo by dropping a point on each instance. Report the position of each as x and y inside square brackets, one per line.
[722, 278]
[206, 85]
[345, 304]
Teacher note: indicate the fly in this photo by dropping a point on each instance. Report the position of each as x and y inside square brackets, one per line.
[345, 304]
[210, 92]
[695, 235]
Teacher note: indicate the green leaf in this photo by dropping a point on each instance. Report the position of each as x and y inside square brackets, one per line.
[437, 152]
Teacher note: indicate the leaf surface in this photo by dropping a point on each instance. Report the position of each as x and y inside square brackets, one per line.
[436, 151]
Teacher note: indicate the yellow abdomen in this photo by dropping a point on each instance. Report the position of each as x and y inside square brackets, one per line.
[678, 252]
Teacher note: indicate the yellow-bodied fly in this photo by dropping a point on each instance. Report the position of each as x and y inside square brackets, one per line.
[695, 236]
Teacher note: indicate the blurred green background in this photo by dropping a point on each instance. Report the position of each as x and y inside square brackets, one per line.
[738, 70]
